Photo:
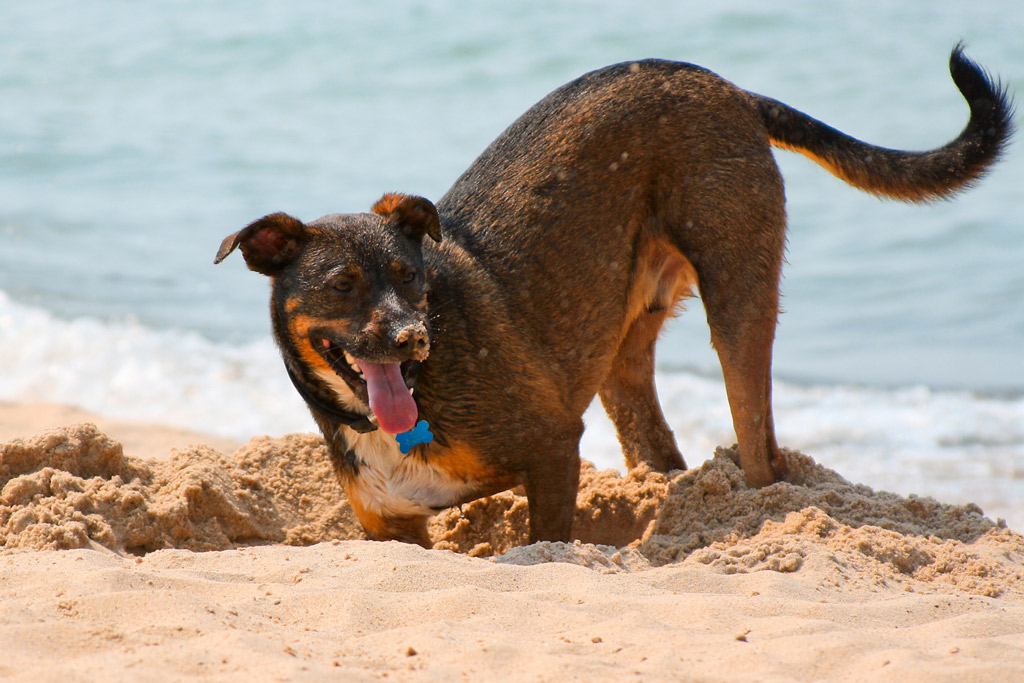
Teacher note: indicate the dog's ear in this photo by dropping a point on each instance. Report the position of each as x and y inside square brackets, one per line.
[414, 216]
[267, 244]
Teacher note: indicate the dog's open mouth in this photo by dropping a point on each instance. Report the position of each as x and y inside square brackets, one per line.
[385, 387]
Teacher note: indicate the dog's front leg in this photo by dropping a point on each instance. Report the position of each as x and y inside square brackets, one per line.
[551, 485]
[378, 524]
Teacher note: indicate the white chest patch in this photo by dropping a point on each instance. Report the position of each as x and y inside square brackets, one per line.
[392, 484]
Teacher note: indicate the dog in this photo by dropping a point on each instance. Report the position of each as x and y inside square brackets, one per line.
[544, 276]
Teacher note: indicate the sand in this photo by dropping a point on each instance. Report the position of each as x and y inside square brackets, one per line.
[203, 561]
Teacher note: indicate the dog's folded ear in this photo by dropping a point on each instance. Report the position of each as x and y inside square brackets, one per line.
[267, 244]
[414, 216]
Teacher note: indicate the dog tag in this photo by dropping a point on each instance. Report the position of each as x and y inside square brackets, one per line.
[419, 434]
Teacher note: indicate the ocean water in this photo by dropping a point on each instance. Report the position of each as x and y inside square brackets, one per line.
[133, 138]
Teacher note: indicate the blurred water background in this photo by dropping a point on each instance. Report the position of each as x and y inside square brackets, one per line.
[134, 137]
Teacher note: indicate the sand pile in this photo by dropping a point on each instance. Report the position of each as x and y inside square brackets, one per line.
[74, 488]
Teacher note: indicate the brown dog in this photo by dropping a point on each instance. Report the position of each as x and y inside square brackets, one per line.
[543, 277]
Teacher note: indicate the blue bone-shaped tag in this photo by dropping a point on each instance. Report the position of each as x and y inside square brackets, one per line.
[419, 434]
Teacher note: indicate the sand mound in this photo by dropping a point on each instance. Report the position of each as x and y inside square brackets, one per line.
[74, 487]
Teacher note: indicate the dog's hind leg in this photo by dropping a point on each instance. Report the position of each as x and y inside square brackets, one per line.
[631, 401]
[739, 285]
[746, 358]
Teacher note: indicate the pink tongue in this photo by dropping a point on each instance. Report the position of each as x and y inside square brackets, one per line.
[390, 399]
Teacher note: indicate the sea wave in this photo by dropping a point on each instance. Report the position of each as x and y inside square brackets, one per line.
[124, 369]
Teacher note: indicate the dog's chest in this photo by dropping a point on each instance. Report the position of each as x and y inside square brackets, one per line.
[389, 483]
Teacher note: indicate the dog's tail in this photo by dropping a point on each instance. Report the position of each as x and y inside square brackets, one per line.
[895, 174]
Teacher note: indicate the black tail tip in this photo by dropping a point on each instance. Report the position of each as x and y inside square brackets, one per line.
[992, 107]
[975, 82]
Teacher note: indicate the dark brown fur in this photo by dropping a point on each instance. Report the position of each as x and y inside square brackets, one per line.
[560, 253]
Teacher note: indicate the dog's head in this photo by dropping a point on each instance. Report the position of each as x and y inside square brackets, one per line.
[350, 298]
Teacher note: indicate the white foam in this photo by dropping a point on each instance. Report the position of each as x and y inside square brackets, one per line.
[128, 371]
[955, 446]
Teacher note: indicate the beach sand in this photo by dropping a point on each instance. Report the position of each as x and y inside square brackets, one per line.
[139, 552]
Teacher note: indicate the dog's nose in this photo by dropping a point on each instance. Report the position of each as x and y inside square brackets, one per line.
[412, 339]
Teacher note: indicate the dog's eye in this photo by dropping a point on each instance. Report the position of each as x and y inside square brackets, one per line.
[342, 286]
[409, 276]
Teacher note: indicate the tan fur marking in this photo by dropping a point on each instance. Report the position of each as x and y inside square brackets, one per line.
[387, 204]
[664, 277]
[373, 522]
[299, 326]
[904, 193]
[462, 462]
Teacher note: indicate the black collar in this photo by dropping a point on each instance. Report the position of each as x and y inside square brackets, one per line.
[360, 423]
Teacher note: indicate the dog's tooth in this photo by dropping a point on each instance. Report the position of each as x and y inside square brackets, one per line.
[352, 363]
